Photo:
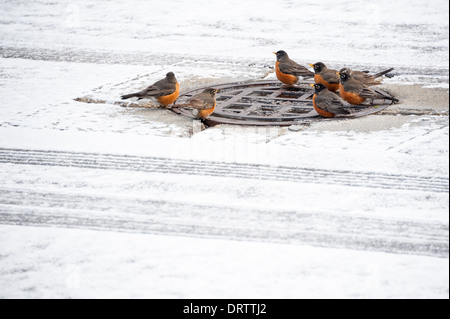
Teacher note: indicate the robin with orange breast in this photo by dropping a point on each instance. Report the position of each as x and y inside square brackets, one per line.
[166, 91]
[326, 76]
[289, 71]
[356, 92]
[204, 103]
[329, 104]
[365, 77]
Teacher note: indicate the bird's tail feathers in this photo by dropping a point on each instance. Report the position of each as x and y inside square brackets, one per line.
[377, 75]
[393, 99]
[387, 96]
[306, 73]
[127, 96]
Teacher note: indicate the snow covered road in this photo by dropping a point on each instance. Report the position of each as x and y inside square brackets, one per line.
[80, 207]
[98, 200]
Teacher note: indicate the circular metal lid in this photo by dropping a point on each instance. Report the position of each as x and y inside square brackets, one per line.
[266, 103]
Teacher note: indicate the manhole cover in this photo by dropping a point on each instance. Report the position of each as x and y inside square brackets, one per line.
[265, 103]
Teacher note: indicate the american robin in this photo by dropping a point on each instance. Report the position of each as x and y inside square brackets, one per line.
[204, 103]
[356, 92]
[327, 103]
[166, 91]
[365, 77]
[326, 76]
[288, 71]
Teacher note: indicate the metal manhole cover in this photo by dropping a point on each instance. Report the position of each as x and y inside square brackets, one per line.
[265, 103]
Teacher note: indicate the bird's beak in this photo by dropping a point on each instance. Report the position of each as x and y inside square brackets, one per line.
[338, 73]
[217, 90]
[274, 53]
[311, 65]
[312, 85]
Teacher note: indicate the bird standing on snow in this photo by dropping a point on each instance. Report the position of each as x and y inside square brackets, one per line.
[166, 91]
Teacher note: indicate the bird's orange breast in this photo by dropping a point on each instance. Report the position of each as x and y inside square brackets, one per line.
[350, 97]
[319, 110]
[169, 99]
[205, 113]
[330, 86]
[283, 77]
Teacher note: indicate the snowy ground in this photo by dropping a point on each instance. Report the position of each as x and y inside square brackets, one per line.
[97, 200]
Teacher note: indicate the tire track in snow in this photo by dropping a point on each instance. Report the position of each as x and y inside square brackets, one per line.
[21, 206]
[218, 169]
[125, 214]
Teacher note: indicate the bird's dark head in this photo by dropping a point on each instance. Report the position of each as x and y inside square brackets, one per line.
[345, 70]
[281, 55]
[344, 75]
[318, 67]
[318, 87]
[211, 91]
[171, 77]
